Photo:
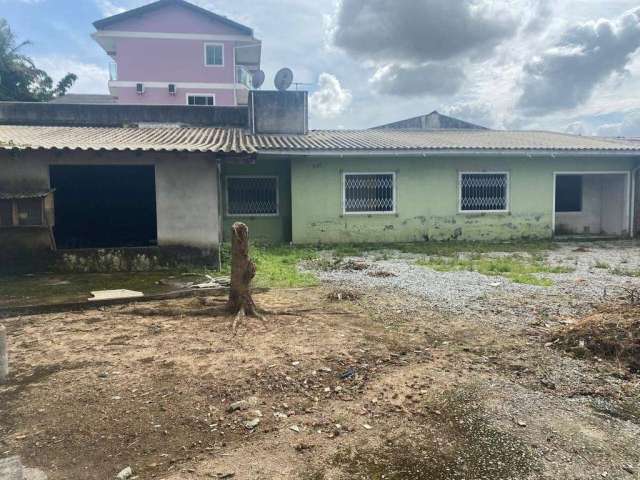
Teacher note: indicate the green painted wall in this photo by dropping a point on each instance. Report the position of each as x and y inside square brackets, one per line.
[427, 198]
[263, 229]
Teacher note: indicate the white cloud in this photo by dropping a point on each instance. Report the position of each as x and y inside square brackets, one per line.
[109, 8]
[331, 99]
[91, 78]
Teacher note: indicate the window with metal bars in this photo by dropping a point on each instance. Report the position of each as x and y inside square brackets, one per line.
[484, 192]
[369, 193]
[252, 196]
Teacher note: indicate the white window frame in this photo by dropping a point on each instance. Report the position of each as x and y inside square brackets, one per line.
[213, 44]
[507, 193]
[212, 95]
[251, 215]
[344, 193]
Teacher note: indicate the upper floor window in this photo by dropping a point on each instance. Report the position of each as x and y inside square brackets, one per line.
[201, 100]
[213, 54]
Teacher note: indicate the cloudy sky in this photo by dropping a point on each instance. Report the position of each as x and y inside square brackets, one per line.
[565, 65]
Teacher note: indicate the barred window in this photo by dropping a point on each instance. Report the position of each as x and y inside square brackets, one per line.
[252, 196]
[369, 193]
[29, 212]
[484, 192]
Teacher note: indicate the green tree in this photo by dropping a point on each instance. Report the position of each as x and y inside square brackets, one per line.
[20, 79]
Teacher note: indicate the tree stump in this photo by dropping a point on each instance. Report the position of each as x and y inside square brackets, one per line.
[243, 270]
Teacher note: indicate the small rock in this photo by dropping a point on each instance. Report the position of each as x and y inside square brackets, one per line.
[252, 424]
[222, 476]
[235, 406]
[280, 415]
[295, 428]
[125, 474]
[521, 423]
[629, 469]
[103, 375]
[367, 426]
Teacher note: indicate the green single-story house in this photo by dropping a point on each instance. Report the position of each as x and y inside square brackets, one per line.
[67, 185]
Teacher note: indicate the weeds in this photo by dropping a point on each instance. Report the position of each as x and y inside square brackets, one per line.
[602, 265]
[623, 272]
[516, 268]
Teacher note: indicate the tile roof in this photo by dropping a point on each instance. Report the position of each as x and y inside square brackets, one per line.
[234, 140]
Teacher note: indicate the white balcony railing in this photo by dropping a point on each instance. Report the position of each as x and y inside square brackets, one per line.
[244, 77]
[113, 71]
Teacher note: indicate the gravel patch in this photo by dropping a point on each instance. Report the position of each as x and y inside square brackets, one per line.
[592, 282]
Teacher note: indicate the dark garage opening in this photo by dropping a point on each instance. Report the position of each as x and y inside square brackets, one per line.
[102, 206]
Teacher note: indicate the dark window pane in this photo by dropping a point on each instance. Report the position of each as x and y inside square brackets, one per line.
[483, 192]
[29, 212]
[569, 193]
[369, 193]
[6, 213]
[252, 196]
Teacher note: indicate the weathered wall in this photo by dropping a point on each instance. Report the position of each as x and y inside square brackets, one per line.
[265, 229]
[187, 203]
[604, 209]
[427, 198]
[186, 194]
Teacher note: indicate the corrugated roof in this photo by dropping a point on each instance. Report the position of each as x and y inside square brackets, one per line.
[234, 140]
[171, 139]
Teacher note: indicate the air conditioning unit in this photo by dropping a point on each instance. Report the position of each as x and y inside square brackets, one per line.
[139, 88]
[172, 89]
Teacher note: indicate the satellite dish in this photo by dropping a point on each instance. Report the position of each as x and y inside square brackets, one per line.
[284, 79]
[258, 78]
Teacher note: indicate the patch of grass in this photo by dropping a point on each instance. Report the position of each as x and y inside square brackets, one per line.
[278, 266]
[445, 249]
[459, 442]
[602, 265]
[624, 272]
[77, 287]
[516, 268]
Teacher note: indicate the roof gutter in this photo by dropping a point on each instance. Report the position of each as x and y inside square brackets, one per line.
[451, 153]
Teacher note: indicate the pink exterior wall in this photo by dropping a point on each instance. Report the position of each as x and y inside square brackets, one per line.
[159, 60]
[160, 96]
[145, 60]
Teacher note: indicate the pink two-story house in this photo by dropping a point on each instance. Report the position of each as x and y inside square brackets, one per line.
[172, 52]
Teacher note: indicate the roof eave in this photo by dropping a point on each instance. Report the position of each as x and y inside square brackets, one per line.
[106, 22]
[529, 153]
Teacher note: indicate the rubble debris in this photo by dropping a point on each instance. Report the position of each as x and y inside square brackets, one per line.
[125, 474]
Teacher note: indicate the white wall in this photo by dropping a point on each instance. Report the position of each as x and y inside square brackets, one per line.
[604, 207]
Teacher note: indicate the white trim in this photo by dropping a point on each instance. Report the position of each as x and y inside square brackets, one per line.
[507, 193]
[174, 36]
[213, 44]
[627, 208]
[187, 95]
[250, 215]
[182, 85]
[344, 193]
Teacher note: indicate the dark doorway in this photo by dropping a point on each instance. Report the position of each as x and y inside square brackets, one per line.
[102, 206]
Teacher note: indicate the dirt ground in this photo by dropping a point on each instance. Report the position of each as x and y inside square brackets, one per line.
[376, 385]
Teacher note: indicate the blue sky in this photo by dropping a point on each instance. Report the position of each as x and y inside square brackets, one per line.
[565, 65]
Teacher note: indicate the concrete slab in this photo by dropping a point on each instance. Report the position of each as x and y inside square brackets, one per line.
[11, 469]
[114, 295]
